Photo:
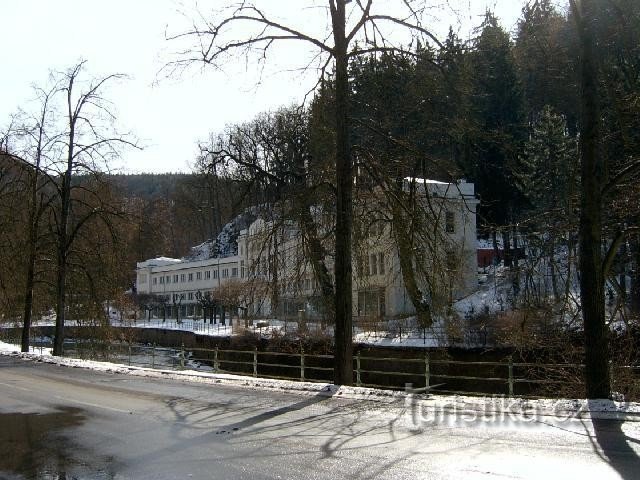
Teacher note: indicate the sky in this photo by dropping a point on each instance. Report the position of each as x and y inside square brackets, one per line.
[169, 113]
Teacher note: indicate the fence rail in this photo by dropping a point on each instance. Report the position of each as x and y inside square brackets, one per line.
[500, 377]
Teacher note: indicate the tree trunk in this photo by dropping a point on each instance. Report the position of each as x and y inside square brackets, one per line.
[343, 367]
[496, 250]
[402, 235]
[28, 300]
[506, 241]
[34, 219]
[552, 265]
[635, 278]
[273, 266]
[591, 274]
[622, 259]
[316, 255]
[516, 251]
[30, 280]
[61, 274]
[63, 230]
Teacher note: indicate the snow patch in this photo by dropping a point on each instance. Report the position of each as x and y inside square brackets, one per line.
[225, 244]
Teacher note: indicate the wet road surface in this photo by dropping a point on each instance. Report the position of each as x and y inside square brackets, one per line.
[70, 423]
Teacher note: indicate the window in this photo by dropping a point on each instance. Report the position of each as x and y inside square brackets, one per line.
[198, 275]
[175, 278]
[191, 277]
[372, 264]
[155, 280]
[182, 296]
[449, 224]
[162, 279]
[183, 277]
[234, 272]
[215, 274]
[381, 263]
[190, 295]
[371, 303]
[225, 272]
[241, 268]
[167, 279]
[207, 275]
[307, 284]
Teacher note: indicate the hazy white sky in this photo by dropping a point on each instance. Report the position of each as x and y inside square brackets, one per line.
[169, 116]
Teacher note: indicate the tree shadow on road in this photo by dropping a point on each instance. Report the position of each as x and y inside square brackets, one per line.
[615, 446]
[316, 428]
[271, 414]
[322, 427]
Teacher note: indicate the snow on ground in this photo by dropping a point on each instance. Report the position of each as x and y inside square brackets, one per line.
[397, 340]
[512, 407]
[7, 347]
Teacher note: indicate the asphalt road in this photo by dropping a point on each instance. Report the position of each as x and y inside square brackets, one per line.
[62, 423]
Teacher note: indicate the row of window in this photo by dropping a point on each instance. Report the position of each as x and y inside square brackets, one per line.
[302, 285]
[189, 277]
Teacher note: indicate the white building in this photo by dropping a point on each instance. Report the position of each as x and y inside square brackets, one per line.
[266, 271]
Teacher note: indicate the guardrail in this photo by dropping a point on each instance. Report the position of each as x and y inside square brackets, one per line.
[500, 377]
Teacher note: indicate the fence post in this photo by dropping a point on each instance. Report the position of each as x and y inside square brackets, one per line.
[427, 372]
[510, 377]
[302, 364]
[182, 356]
[129, 353]
[216, 365]
[255, 361]
[153, 356]
[358, 381]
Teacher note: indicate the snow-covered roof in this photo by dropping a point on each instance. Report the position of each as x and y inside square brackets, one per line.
[161, 261]
[457, 189]
[424, 180]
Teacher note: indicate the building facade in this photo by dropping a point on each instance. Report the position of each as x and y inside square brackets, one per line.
[266, 272]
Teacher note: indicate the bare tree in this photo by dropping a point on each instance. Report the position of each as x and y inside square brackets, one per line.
[38, 143]
[216, 40]
[88, 143]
